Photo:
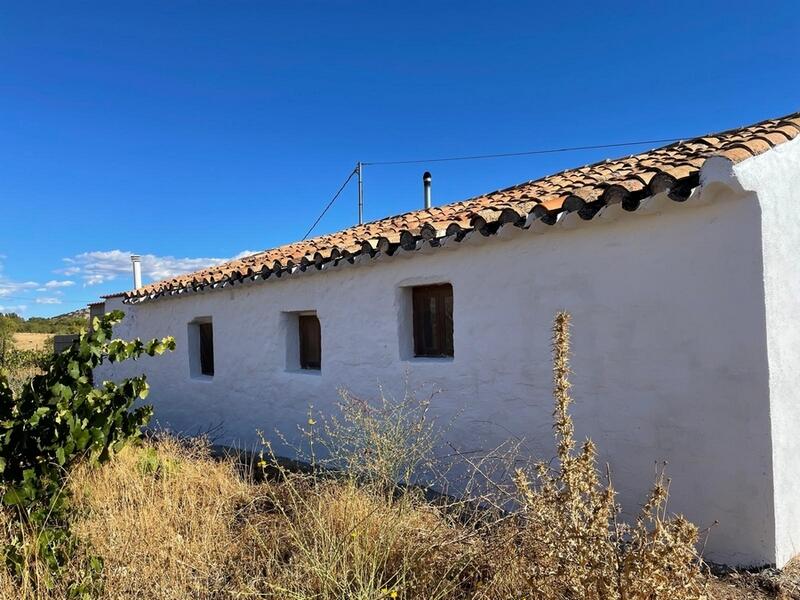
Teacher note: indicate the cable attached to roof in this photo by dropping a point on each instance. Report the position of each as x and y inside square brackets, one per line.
[335, 196]
[360, 165]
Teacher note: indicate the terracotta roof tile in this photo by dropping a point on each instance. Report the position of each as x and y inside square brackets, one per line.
[673, 169]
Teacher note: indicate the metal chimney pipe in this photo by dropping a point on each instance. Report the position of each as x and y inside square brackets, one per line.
[136, 260]
[426, 187]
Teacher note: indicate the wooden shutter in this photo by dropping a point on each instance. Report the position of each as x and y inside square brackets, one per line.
[206, 348]
[310, 342]
[432, 307]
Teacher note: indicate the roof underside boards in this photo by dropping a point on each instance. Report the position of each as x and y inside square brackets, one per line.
[673, 169]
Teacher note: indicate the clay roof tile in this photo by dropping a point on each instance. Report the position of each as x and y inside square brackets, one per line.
[625, 179]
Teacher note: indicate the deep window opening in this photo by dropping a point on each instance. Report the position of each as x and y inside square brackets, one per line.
[206, 335]
[310, 341]
[432, 307]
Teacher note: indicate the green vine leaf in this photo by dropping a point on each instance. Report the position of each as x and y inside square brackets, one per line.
[58, 419]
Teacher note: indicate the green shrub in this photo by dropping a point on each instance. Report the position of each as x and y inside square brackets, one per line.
[383, 442]
[20, 366]
[69, 323]
[60, 418]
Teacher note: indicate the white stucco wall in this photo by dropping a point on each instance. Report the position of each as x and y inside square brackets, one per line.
[775, 177]
[670, 352]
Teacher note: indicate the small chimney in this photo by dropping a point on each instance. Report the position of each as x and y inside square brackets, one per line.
[426, 187]
[137, 271]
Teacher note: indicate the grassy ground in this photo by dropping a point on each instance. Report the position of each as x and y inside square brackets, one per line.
[170, 522]
[33, 341]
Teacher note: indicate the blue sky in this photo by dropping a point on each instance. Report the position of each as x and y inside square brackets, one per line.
[193, 131]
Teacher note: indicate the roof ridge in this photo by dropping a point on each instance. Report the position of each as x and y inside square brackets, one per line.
[607, 160]
[673, 168]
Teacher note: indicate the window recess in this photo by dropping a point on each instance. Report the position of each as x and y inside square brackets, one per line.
[310, 341]
[432, 315]
[201, 348]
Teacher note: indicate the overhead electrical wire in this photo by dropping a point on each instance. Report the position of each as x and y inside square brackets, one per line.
[335, 196]
[450, 159]
[483, 156]
[526, 153]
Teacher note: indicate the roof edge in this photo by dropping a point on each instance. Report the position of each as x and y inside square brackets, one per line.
[674, 170]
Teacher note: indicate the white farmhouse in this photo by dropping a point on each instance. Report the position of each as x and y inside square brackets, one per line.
[680, 266]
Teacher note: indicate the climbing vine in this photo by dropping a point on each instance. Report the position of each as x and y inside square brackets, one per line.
[59, 418]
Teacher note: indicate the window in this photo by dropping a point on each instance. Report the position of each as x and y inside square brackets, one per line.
[432, 307]
[310, 341]
[201, 348]
[206, 332]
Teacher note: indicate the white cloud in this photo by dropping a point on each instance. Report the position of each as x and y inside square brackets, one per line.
[48, 300]
[9, 287]
[52, 284]
[101, 266]
[18, 308]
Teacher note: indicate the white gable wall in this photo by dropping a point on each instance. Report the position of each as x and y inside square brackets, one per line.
[775, 176]
[670, 352]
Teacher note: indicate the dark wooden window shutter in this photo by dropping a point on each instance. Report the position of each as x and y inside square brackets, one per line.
[433, 320]
[206, 348]
[310, 342]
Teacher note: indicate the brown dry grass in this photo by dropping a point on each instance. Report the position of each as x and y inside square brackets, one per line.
[33, 341]
[171, 522]
[160, 518]
[163, 519]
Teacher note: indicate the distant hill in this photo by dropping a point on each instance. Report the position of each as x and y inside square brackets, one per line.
[71, 322]
[82, 313]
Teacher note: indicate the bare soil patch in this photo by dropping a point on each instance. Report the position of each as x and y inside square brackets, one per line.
[766, 584]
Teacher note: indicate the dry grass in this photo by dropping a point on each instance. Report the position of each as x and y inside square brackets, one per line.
[171, 522]
[163, 519]
[336, 540]
[33, 341]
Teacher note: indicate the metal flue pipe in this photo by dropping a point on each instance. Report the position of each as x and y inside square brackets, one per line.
[136, 261]
[426, 188]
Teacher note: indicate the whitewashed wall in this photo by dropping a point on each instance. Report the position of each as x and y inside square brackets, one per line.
[775, 177]
[670, 353]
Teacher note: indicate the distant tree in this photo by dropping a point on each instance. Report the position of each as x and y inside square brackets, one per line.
[9, 324]
[12, 323]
